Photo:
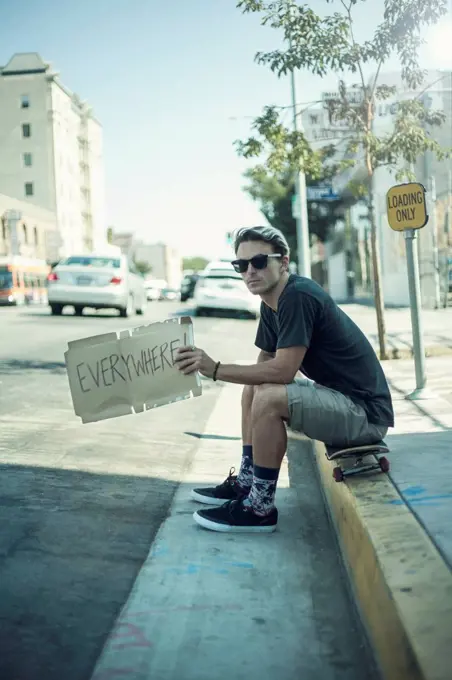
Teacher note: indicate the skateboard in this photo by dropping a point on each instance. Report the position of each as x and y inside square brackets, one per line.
[358, 453]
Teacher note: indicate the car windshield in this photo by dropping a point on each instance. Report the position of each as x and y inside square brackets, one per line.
[6, 279]
[223, 280]
[108, 262]
[222, 274]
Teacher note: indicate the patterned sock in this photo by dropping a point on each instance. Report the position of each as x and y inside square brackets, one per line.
[245, 476]
[262, 495]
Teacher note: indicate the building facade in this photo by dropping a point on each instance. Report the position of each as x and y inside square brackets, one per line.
[51, 152]
[164, 261]
[28, 230]
[434, 240]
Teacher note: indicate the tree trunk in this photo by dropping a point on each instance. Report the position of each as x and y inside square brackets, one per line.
[378, 291]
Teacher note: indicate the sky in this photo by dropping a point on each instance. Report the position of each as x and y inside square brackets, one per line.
[173, 84]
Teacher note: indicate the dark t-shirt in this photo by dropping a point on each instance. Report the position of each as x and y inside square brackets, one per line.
[339, 355]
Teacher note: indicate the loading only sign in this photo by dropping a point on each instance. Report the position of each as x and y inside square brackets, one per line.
[407, 212]
[407, 208]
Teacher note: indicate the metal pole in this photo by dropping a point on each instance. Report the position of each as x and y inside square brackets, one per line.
[301, 212]
[436, 277]
[448, 228]
[416, 320]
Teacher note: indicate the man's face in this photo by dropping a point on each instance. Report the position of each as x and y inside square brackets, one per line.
[261, 281]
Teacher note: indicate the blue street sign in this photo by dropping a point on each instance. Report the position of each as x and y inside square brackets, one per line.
[321, 193]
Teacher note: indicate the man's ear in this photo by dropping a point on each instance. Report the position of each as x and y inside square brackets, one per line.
[285, 263]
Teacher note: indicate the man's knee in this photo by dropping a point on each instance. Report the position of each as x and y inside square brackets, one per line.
[247, 396]
[270, 399]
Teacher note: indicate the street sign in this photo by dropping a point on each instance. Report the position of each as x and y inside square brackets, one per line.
[321, 193]
[407, 212]
[407, 207]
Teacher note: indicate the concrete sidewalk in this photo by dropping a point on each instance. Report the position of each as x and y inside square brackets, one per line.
[396, 532]
[437, 329]
[212, 606]
[208, 606]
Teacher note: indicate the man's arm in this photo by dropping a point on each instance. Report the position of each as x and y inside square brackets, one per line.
[265, 356]
[280, 369]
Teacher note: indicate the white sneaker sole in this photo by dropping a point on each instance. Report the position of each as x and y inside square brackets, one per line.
[207, 500]
[216, 526]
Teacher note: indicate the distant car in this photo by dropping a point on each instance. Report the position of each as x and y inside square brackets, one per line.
[154, 288]
[187, 287]
[220, 287]
[170, 294]
[98, 282]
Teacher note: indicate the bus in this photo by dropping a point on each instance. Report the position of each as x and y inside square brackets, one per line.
[23, 280]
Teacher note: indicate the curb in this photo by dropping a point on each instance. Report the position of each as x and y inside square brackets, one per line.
[408, 353]
[402, 585]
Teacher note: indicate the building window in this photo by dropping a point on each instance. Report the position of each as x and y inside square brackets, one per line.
[28, 160]
[29, 189]
[4, 228]
[35, 230]
[25, 234]
[25, 101]
[26, 130]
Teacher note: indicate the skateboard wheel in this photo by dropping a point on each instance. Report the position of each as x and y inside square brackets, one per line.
[338, 474]
[384, 464]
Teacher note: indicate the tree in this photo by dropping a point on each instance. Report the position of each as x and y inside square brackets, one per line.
[143, 267]
[328, 44]
[194, 263]
[274, 194]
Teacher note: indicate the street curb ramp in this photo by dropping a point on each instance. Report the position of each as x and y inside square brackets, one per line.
[401, 583]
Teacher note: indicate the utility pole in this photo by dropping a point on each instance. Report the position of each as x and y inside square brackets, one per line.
[448, 229]
[436, 276]
[300, 211]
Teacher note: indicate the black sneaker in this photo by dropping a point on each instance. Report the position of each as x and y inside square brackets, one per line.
[229, 490]
[235, 516]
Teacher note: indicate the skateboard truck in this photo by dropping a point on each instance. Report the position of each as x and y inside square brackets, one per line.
[358, 453]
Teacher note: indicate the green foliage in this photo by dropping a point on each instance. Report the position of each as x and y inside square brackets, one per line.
[274, 195]
[325, 44]
[110, 235]
[143, 267]
[194, 263]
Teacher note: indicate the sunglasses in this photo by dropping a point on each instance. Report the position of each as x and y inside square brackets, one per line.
[258, 262]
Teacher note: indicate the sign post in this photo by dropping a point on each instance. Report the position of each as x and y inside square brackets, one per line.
[407, 212]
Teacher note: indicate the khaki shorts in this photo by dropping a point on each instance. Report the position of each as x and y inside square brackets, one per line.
[329, 416]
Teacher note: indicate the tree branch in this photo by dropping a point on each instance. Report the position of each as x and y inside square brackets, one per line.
[354, 43]
[374, 86]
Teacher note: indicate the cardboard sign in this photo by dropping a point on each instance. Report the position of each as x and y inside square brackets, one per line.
[116, 374]
[406, 207]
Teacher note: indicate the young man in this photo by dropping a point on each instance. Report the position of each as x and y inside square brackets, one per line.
[343, 401]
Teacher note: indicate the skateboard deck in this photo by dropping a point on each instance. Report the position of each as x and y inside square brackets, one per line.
[358, 453]
[333, 452]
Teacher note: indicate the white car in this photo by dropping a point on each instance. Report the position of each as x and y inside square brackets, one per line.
[96, 281]
[220, 287]
[154, 288]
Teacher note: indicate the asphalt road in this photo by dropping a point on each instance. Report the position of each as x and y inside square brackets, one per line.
[81, 504]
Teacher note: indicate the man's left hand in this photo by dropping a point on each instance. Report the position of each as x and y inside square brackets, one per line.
[192, 359]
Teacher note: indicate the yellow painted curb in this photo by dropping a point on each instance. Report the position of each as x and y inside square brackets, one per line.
[402, 585]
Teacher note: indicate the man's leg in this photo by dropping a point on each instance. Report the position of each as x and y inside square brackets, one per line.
[257, 512]
[245, 476]
[234, 487]
[269, 435]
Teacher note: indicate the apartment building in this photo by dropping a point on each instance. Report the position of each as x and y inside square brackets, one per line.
[28, 230]
[51, 152]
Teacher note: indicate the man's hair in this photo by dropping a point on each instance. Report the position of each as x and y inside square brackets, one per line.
[267, 234]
